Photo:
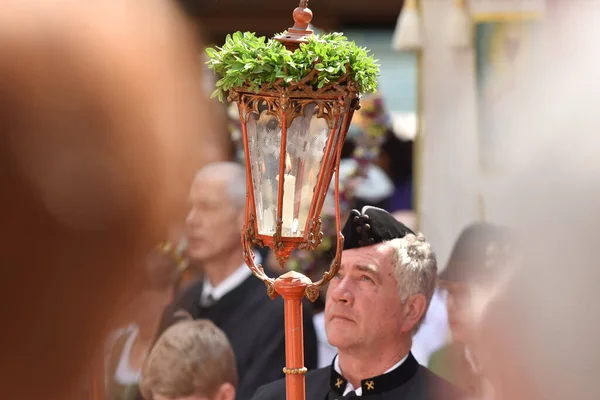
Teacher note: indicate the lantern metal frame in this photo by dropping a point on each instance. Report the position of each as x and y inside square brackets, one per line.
[335, 102]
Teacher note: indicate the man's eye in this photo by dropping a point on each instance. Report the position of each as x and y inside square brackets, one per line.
[366, 278]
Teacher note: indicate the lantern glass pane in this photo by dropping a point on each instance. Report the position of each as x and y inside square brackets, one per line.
[306, 141]
[264, 141]
[329, 163]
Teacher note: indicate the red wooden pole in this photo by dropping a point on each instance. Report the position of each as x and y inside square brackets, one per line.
[291, 286]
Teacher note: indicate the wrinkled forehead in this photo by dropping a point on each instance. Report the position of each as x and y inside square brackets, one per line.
[376, 255]
[207, 187]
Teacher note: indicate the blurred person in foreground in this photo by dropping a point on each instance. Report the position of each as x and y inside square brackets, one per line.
[229, 294]
[102, 122]
[374, 306]
[476, 263]
[192, 360]
[540, 331]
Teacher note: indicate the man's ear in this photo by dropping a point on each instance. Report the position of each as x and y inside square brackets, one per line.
[414, 309]
[225, 392]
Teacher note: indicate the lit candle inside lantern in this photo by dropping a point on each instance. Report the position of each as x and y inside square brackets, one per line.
[289, 195]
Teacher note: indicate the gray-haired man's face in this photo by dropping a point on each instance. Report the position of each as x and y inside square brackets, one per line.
[364, 308]
[213, 223]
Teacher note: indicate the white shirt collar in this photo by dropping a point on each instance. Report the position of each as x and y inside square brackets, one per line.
[358, 390]
[229, 283]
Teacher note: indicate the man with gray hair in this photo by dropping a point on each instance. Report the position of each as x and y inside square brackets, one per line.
[374, 306]
[228, 294]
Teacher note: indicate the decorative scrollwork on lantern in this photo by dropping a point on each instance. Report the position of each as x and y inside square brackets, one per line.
[296, 95]
[314, 237]
[248, 238]
[313, 290]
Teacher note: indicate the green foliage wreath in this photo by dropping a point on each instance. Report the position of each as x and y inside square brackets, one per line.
[249, 61]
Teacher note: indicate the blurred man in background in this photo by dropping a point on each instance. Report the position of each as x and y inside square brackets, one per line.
[102, 122]
[228, 294]
[480, 256]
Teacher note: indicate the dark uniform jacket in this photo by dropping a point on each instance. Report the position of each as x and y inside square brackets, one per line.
[409, 381]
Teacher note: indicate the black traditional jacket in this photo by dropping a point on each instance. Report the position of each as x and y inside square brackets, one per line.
[409, 381]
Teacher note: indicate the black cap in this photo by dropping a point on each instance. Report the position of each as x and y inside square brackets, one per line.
[481, 251]
[371, 226]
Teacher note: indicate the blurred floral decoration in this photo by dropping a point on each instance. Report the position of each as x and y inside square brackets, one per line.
[174, 251]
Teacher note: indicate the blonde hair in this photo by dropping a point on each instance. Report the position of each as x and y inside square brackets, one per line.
[190, 358]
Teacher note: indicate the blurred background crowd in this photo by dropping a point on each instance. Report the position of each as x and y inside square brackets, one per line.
[123, 195]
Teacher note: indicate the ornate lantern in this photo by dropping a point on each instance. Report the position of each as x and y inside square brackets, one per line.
[293, 132]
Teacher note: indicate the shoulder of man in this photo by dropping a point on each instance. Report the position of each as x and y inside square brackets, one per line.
[276, 389]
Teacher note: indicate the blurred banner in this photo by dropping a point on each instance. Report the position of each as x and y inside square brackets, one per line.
[546, 319]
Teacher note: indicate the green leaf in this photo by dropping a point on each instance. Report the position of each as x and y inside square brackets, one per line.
[211, 53]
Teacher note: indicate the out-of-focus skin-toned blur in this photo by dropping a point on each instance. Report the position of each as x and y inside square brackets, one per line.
[540, 330]
[103, 119]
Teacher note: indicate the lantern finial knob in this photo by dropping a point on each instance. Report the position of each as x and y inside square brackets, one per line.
[300, 32]
[302, 15]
